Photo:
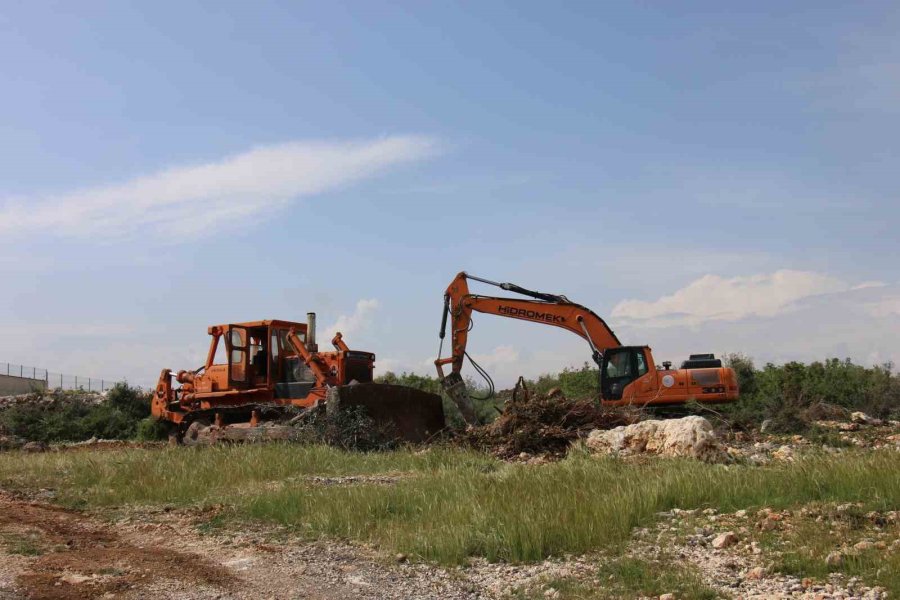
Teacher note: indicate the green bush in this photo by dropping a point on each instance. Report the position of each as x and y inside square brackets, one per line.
[151, 429]
[575, 384]
[73, 417]
[794, 395]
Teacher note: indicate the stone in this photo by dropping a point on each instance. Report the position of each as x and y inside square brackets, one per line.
[667, 597]
[784, 453]
[724, 540]
[863, 545]
[35, 447]
[860, 418]
[691, 436]
[834, 559]
[756, 573]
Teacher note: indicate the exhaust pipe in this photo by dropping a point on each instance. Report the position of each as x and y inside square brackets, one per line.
[311, 344]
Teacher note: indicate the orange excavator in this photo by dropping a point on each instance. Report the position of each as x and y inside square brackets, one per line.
[628, 374]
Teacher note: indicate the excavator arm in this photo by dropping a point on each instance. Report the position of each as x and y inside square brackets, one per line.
[547, 309]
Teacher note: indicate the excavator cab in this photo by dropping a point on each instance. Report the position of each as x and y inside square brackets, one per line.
[619, 367]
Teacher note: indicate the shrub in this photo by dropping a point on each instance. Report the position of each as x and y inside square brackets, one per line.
[794, 395]
[78, 417]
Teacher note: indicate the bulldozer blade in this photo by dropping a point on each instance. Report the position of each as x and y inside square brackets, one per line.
[414, 415]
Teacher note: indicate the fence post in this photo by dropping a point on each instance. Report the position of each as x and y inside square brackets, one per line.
[60, 381]
[34, 372]
[21, 370]
[76, 382]
[89, 384]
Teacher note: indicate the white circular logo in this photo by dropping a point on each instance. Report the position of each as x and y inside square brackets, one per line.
[668, 380]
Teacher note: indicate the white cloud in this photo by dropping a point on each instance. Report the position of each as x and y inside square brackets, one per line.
[861, 324]
[357, 322]
[718, 298]
[499, 356]
[197, 199]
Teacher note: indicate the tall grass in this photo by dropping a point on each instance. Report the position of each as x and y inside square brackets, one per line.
[455, 504]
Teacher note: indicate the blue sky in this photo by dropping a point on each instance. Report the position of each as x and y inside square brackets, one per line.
[707, 177]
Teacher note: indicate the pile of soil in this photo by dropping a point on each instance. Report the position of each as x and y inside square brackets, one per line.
[543, 425]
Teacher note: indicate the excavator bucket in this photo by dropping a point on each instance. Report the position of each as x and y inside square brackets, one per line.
[412, 415]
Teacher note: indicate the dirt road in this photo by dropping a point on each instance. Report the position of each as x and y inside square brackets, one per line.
[50, 552]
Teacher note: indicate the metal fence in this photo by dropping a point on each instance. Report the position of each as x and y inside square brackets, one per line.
[58, 380]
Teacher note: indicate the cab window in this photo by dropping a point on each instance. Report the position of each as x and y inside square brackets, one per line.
[619, 365]
[641, 364]
[237, 342]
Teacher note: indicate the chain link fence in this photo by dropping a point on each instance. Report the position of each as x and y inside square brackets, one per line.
[50, 380]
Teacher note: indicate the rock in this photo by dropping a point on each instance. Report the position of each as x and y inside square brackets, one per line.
[725, 540]
[756, 573]
[667, 597]
[784, 453]
[860, 418]
[8, 442]
[768, 524]
[689, 436]
[741, 513]
[863, 545]
[834, 559]
[35, 447]
[400, 557]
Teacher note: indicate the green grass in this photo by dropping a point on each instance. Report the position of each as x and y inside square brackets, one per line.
[18, 543]
[453, 504]
[627, 577]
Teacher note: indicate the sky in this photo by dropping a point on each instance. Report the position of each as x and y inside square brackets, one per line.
[707, 176]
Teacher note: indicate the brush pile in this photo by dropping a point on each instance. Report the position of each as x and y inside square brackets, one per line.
[543, 425]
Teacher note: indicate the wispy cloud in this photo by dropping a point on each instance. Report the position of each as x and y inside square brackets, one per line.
[201, 198]
[712, 297]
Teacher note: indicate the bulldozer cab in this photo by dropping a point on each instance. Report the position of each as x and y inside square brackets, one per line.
[250, 362]
[621, 366]
[260, 357]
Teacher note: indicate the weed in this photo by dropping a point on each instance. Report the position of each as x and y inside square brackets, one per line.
[454, 504]
[22, 544]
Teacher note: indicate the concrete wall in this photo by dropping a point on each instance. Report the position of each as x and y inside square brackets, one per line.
[10, 385]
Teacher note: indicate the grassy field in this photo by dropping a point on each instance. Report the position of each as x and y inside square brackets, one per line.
[447, 505]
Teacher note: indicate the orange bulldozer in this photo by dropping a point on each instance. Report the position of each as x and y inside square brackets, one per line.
[267, 366]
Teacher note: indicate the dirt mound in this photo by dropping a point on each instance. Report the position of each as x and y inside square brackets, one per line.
[543, 424]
